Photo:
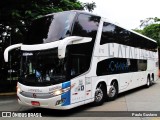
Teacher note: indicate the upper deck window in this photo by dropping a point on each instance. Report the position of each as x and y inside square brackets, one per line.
[115, 34]
[50, 28]
[86, 26]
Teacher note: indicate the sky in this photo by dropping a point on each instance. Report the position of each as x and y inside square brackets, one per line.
[126, 13]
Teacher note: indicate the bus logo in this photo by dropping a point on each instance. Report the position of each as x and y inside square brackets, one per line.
[34, 95]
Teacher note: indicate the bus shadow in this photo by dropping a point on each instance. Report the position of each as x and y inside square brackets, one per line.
[78, 110]
[135, 90]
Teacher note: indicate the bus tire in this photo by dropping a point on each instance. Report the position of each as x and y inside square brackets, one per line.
[148, 82]
[114, 92]
[99, 97]
[152, 78]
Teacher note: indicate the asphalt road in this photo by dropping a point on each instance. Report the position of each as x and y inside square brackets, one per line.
[139, 99]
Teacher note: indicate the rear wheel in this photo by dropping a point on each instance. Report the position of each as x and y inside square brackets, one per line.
[148, 82]
[99, 95]
[113, 92]
[152, 78]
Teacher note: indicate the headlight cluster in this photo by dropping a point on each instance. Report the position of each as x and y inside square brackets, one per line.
[18, 89]
[60, 91]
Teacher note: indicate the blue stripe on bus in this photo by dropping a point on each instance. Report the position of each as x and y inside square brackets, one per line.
[66, 95]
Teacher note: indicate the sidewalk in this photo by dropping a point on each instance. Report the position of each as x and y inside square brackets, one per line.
[7, 93]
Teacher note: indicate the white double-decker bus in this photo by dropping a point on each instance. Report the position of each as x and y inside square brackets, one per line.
[73, 58]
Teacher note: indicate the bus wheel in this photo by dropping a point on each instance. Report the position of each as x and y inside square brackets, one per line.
[148, 82]
[152, 78]
[99, 95]
[113, 92]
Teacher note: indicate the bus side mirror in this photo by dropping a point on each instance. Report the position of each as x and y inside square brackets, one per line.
[6, 51]
[70, 40]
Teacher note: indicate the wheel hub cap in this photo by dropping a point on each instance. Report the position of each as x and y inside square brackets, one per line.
[98, 95]
[112, 92]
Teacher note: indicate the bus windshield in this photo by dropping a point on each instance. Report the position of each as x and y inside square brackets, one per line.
[50, 28]
[42, 68]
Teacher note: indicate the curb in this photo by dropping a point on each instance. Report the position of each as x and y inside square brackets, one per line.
[7, 94]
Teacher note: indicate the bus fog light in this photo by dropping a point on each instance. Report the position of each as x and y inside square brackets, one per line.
[59, 102]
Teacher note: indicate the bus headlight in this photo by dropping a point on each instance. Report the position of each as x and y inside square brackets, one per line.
[18, 90]
[60, 91]
[57, 92]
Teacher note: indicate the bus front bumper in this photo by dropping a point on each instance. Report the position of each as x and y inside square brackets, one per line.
[56, 102]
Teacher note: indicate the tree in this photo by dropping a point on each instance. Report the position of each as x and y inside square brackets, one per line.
[151, 28]
[153, 31]
[90, 6]
[149, 21]
[17, 15]
[139, 31]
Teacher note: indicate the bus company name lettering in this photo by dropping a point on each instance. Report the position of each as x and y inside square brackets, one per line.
[123, 51]
[34, 90]
[115, 66]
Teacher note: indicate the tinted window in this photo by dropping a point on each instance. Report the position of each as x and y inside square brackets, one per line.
[142, 65]
[86, 26]
[78, 64]
[114, 34]
[42, 68]
[38, 30]
[120, 65]
[80, 54]
[50, 28]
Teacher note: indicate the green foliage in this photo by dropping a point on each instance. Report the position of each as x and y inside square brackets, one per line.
[156, 19]
[151, 28]
[139, 31]
[153, 31]
[17, 15]
[13, 12]
[149, 21]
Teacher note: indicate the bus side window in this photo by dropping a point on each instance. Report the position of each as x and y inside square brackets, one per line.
[142, 65]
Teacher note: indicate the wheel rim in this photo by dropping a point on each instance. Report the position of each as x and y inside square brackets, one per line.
[98, 95]
[112, 92]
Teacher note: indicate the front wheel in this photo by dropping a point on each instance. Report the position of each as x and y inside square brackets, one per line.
[100, 93]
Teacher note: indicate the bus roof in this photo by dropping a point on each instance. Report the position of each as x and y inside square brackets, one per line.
[77, 11]
[104, 19]
[107, 20]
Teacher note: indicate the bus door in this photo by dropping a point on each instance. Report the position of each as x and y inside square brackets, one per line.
[78, 81]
